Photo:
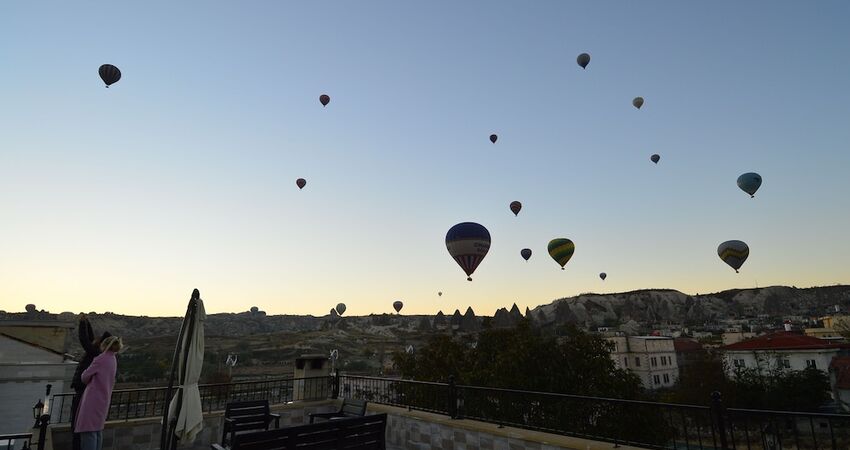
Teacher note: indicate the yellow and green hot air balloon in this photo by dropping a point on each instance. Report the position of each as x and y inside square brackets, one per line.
[561, 250]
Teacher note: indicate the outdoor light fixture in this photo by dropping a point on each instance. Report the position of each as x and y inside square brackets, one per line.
[37, 411]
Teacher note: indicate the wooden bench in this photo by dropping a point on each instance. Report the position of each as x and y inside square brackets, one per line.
[241, 417]
[350, 408]
[355, 433]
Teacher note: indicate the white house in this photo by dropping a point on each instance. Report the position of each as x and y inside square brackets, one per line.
[32, 355]
[782, 351]
[652, 358]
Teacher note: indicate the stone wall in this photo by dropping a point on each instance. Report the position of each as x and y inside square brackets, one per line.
[144, 434]
[416, 430]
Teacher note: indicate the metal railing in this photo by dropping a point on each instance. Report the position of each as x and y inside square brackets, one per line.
[150, 402]
[19, 441]
[632, 422]
[419, 395]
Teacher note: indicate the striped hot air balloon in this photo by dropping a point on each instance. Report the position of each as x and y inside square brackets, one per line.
[515, 207]
[561, 250]
[468, 244]
[733, 253]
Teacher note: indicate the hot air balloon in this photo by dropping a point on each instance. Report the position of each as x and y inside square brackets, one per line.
[468, 243]
[440, 293]
[109, 74]
[749, 183]
[340, 308]
[583, 60]
[733, 253]
[603, 275]
[516, 207]
[561, 250]
[324, 99]
[526, 253]
[493, 138]
[637, 102]
[397, 305]
[301, 183]
[655, 158]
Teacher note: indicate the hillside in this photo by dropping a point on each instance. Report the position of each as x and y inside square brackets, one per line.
[267, 344]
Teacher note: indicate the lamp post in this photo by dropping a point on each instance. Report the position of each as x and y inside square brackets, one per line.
[41, 414]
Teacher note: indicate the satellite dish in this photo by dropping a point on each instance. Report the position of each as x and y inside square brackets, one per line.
[231, 360]
[409, 349]
[334, 354]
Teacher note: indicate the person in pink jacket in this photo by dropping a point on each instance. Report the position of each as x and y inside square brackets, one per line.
[94, 406]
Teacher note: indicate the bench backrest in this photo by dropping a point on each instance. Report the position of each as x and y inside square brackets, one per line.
[249, 415]
[357, 433]
[353, 407]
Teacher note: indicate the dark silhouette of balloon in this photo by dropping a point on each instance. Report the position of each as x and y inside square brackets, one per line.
[516, 207]
[340, 309]
[655, 158]
[325, 99]
[750, 183]
[493, 138]
[440, 293]
[109, 74]
[583, 60]
[525, 253]
[733, 253]
[301, 183]
[397, 305]
[561, 250]
[637, 102]
[603, 275]
[468, 244]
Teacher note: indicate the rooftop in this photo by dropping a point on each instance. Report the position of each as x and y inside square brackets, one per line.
[784, 340]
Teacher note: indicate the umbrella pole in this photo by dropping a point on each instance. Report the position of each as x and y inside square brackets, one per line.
[191, 332]
[185, 331]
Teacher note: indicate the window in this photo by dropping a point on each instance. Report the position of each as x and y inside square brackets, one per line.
[784, 364]
[625, 361]
[739, 363]
[637, 361]
[656, 379]
[666, 378]
[653, 361]
[663, 360]
[811, 363]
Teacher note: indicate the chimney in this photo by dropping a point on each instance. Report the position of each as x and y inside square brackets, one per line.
[787, 325]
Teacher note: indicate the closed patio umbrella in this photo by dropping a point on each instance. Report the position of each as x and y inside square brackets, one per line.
[184, 419]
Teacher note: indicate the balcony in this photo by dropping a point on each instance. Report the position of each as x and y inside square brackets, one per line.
[427, 415]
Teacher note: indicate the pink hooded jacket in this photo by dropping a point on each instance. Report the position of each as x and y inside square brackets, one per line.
[94, 406]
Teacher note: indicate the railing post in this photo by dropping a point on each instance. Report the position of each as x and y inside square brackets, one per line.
[719, 414]
[452, 398]
[335, 393]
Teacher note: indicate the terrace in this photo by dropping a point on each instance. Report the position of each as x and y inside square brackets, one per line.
[426, 415]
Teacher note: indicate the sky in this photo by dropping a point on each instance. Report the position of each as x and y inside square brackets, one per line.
[182, 174]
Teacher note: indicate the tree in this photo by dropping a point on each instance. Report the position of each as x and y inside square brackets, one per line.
[774, 388]
[524, 358]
